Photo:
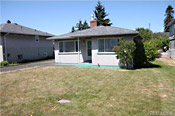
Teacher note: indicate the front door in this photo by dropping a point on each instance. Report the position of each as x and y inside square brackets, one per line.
[89, 50]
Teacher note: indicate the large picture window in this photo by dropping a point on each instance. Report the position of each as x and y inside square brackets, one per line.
[107, 45]
[68, 46]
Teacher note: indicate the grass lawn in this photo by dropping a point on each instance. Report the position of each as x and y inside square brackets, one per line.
[92, 91]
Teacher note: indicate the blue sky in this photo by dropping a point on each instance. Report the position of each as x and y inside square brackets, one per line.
[58, 17]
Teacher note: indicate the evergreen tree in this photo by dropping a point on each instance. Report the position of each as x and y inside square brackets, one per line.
[100, 15]
[85, 25]
[169, 16]
[73, 29]
[79, 25]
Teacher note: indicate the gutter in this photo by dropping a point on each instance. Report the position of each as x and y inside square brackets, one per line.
[5, 45]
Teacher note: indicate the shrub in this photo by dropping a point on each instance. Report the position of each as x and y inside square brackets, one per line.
[125, 52]
[139, 54]
[150, 51]
[4, 63]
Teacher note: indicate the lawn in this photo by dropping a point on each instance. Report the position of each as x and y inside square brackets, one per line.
[92, 91]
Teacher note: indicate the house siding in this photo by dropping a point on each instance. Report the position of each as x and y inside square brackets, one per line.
[97, 59]
[1, 49]
[70, 57]
[108, 59]
[172, 41]
[26, 46]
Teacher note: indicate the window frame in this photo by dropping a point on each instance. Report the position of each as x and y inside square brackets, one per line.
[64, 47]
[116, 38]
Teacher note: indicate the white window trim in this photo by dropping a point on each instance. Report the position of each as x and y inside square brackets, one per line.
[64, 46]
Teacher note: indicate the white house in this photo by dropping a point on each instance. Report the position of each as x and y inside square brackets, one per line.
[94, 45]
[19, 43]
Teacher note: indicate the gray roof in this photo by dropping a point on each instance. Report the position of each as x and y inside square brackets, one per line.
[96, 31]
[19, 29]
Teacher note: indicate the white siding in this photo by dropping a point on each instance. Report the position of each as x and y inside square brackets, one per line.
[108, 59]
[71, 57]
[96, 58]
[1, 49]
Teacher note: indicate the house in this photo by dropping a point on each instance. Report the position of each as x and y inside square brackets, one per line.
[172, 38]
[94, 45]
[19, 43]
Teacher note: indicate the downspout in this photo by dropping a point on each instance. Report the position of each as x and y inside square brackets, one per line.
[78, 50]
[5, 45]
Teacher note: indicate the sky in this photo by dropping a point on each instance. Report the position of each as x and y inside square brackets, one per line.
[58, 17]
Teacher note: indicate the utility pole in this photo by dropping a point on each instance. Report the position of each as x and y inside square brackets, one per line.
[150, 30]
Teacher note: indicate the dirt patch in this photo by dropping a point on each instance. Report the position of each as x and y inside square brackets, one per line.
[168, 61]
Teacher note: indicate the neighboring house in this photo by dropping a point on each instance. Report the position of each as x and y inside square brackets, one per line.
[172, 38]
[19, 43]
[94, 45]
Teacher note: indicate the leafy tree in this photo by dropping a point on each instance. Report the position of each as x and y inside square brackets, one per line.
[100, 15]
[73, 29]
[160, 40]
[169, 16]
[145, 33]
[125, 52]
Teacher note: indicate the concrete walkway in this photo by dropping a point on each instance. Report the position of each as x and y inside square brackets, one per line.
[29, 65]
[165, 54]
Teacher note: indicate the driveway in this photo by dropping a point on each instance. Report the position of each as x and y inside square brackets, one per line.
[29, 65]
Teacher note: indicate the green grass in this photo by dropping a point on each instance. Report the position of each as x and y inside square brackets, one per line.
[92, 91]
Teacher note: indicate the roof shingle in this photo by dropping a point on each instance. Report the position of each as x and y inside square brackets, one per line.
[19, 29]
[96, 31]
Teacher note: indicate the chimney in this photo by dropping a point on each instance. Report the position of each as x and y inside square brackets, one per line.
[93, 22]
[8, 21]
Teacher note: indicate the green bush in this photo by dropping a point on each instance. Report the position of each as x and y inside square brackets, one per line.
[4, 63]
[150, 51]
[125, 52]
[139, 54]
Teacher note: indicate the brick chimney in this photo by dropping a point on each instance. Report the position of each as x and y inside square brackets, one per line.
[93, 22]
[8, 21]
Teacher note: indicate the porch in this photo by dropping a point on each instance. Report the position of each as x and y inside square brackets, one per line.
[88, 65]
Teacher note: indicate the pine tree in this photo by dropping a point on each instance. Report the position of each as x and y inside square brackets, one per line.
[79, 25]
[100, 15]
[85, 25]
[169, 16]
[73, 29]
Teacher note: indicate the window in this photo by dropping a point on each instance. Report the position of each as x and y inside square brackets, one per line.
[36, 38]
[68, 46]
[106, 45]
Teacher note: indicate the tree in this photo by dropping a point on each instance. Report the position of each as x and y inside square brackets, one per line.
[79, 25]
[140, 58]
[125, 52]
[100, 15]
[169, 16]
[145, 33]
[85, 25]
[150, 51]
[73, 29]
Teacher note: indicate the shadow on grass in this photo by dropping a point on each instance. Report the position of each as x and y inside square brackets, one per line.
[149, 65]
